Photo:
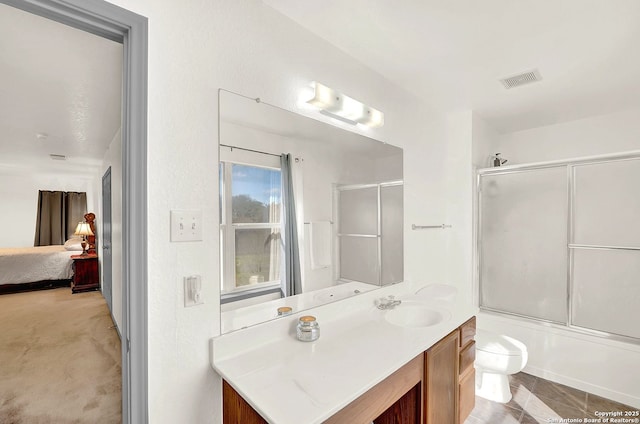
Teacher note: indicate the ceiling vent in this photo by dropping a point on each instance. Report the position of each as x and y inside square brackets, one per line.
[521, 79]
[57, 157]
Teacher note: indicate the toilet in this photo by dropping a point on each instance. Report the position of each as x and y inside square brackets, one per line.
[497, 357]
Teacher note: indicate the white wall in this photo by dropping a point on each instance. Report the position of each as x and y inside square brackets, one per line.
[19, 186]
[194, 49]
[426, 202]
[611, 133]
[459, 186]
[113, 159]
[485, 141]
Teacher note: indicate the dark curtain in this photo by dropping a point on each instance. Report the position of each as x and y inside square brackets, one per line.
[292, 278]
[58, 215]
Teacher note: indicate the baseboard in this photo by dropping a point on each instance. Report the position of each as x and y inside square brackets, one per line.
[115, 325]
[584, 386]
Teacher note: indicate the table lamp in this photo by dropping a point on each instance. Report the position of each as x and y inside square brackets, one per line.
[83, 229]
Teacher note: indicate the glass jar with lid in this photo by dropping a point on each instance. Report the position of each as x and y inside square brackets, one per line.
[284, 310]
[308, 329]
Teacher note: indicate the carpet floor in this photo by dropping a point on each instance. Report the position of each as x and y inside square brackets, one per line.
[59, 359]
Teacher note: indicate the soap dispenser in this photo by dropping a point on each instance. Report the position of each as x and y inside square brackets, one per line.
[496, 160]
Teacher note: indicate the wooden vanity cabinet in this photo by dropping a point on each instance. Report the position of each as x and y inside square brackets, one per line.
[395, 400]
[405, 411]
[236, 410]
[450, 377]
[436, 387]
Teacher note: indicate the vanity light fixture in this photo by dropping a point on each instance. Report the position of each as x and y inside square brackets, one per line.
[336, 105]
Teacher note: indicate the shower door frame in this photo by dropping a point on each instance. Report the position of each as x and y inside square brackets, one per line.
[336, 195]
[570, 165]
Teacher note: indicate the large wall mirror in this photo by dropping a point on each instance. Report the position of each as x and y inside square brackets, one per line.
[309, 213]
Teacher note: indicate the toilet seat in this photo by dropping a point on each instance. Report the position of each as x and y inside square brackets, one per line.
[498, 344]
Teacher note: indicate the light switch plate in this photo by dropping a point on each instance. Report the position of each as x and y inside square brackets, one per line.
[186, 225]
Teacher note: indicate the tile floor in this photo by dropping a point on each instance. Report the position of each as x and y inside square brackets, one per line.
[536, 400]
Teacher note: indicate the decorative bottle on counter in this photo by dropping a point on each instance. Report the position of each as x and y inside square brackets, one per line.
[308, 329]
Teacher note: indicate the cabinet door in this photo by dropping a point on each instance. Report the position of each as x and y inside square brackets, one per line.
[467, 394]
[395, 400]
[441, 381]
[405, 411]
[236, 410]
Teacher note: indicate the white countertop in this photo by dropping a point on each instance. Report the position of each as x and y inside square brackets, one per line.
[292, 382]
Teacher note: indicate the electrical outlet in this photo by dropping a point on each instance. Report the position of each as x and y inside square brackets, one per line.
[193, 290]
[186, 225]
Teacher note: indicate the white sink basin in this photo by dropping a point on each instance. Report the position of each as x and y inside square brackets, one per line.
[415, 314]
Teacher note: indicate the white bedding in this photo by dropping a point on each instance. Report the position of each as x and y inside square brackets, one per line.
[31, 264]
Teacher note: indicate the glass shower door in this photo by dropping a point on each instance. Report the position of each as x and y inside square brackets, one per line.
[605, 249]
[392, 237]
[358, 234]
[523, 243]
[370, 235]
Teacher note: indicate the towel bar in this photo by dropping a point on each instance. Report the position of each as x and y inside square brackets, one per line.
[424, 227]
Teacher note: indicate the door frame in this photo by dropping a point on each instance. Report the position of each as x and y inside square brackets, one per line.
[107, 246]
[115, 23]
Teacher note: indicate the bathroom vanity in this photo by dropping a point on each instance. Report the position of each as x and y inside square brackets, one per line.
[369, 365]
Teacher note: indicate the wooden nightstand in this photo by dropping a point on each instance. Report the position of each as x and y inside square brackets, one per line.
[85, 273]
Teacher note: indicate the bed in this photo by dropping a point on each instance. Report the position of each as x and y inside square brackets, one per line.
[28, 267]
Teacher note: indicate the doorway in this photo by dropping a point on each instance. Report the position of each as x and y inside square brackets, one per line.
[112, 22]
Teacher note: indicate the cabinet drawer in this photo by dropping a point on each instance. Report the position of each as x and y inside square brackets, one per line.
[467, 357]
[467, 331]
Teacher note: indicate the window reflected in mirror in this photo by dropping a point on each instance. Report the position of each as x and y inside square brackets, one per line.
[250, 229]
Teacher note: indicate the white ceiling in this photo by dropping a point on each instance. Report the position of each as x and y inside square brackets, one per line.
[67, 83]
[59, 81]
[451, 53]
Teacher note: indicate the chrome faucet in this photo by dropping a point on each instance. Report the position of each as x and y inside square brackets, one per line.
[388, 302]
